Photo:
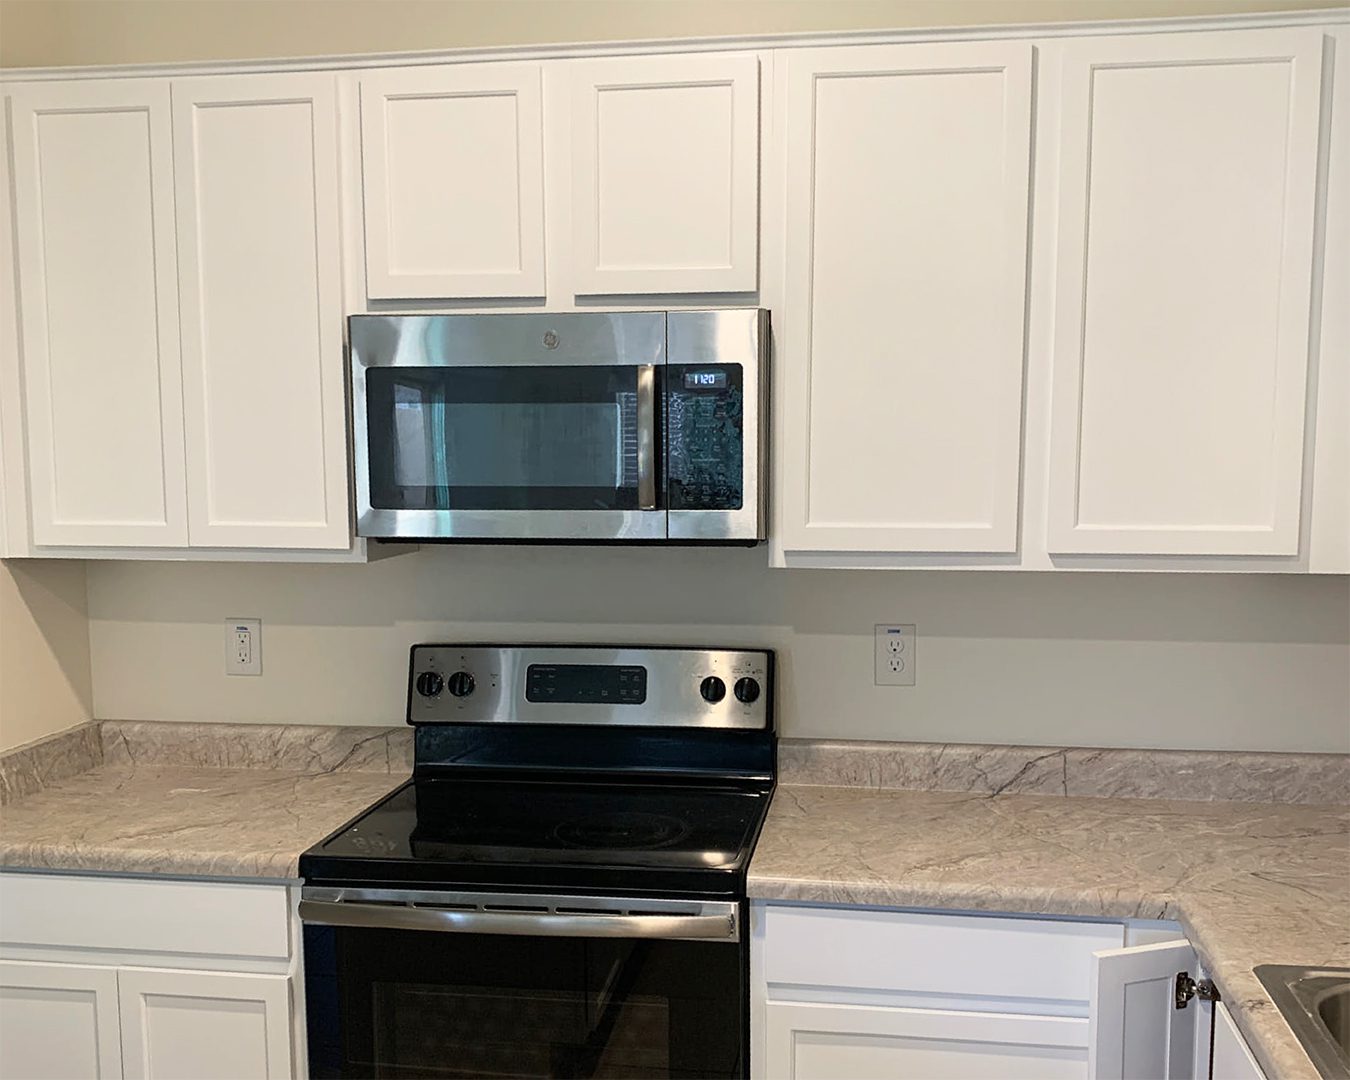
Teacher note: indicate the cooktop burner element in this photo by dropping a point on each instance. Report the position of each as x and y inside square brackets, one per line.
[622, 830]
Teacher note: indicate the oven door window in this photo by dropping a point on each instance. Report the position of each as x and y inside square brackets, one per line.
[397, 1003]
[503, 438]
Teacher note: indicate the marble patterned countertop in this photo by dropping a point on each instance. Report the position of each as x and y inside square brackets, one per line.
[1252, 883]
[218, 800]
[1001, 829]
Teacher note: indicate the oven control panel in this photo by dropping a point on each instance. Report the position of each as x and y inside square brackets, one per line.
[634, 687]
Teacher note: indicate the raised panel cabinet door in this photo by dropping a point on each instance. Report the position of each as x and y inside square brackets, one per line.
[98, 286]
[196, 1025]
[827, 1041]
[665, 174]
[1135, 1030]
[1187, 191]
[264, 401]
[58, 1022]
[453, 175]
[902, 356]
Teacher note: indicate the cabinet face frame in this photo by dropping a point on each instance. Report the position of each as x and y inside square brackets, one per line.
[1083, 60]
[591, 80]
[521, 83]
[30, 104]
[321, 322]
[805, 70]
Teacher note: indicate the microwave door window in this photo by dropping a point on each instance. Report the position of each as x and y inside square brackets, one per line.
[514, 438]
[419, 429]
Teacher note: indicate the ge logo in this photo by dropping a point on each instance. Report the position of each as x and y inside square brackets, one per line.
[550, 339]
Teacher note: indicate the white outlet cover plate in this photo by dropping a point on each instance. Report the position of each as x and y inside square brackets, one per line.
[895, 654]
[234, 627]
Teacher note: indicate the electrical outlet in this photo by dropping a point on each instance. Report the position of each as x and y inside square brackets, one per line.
[895, 660]
[243, 646]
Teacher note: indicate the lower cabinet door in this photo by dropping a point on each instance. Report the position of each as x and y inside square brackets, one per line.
[198, 1025]
[1135, 1027]
[816, 1041]
[58, 1022]
[1233, 1059]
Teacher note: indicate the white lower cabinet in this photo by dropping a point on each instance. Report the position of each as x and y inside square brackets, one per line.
[149, 989]
[846, 993]
[1231, 1058]
[170, 1017]
[824, 1041]
[59, 1022]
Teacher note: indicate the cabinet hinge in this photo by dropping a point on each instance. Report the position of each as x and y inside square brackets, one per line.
[1186, 988]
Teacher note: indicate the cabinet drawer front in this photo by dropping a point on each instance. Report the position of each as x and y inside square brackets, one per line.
[968, 955]
[127, 914]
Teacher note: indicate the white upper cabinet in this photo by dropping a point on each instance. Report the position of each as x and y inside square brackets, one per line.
[258, 252]
[665, 174]
[93, 178]
[1187, 193]
[900, 340]
[452, 167]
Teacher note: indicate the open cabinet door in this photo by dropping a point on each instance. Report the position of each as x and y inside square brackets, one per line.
[1135, 1030]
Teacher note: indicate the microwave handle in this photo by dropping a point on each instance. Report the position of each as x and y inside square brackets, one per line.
[646, 436]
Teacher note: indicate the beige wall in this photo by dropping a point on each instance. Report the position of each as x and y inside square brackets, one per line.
[1255, 662]
[63, 32]
[44, 650]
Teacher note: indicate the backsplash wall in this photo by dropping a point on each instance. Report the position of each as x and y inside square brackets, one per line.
[1193, 661]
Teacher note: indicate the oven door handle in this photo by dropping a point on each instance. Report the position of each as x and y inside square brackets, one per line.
[528, 923]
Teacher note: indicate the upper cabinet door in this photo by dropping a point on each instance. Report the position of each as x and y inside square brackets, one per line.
[263, 379]
[901, 362]
[93, 181]
[453, 171]
[1187, 193]
[665, 153]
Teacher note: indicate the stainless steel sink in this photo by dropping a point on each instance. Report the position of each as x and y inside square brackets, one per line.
[1316, 1004]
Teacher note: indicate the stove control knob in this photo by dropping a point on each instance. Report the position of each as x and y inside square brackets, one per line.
[429, 683]
[746, 691]
[712, 689]
[461, 684]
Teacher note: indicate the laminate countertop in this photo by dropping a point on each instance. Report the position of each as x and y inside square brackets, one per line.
[191, 800]
[1251, 883]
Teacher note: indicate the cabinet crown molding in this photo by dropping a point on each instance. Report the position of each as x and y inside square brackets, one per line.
[1329, 17]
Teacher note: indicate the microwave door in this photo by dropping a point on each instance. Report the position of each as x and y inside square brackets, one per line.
[461, 443]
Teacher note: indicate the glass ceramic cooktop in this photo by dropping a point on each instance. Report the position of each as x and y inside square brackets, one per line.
[524, 822]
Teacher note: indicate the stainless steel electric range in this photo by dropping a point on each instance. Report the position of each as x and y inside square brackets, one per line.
[559, 891]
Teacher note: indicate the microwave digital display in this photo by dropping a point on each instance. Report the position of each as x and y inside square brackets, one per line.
[705, 380]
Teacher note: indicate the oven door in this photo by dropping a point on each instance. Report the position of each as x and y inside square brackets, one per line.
[404, 984]
[509, 427]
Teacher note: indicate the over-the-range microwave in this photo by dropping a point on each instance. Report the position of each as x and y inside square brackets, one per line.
[591, 427]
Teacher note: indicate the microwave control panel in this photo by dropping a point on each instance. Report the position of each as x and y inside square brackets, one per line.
[705, 436]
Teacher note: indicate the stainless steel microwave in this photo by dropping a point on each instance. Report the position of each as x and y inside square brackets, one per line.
[588, 426]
